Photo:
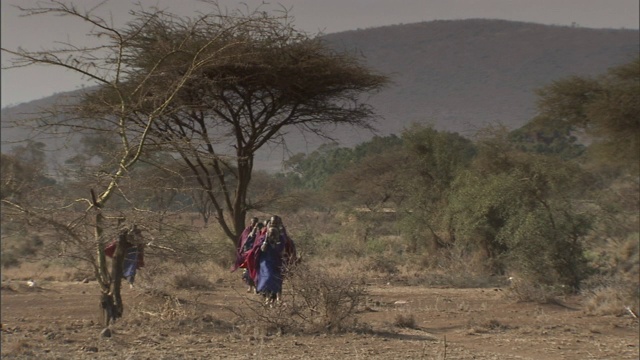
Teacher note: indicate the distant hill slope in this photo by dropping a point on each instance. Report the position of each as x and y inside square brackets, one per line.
[462, 74]
[459, 75]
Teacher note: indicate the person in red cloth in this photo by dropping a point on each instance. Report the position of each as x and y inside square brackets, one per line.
[245, 243]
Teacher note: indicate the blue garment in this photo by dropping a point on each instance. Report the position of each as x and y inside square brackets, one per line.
[270, 269]
[130, 263]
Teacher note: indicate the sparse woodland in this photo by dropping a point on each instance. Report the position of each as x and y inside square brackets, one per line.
[168, 140]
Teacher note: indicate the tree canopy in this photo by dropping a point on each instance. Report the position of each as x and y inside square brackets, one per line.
[214, 89]
[605, 108]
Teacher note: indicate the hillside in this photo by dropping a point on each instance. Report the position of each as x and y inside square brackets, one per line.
[461, 75]
[458, 75]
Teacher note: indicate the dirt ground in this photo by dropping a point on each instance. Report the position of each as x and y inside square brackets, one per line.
[59, 320]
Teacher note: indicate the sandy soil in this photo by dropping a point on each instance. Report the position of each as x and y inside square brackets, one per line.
[59, 320]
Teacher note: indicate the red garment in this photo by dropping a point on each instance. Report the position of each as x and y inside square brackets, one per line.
[140, 256]
[243, 238]
[240, 256]
[110, 251]
[252, 256]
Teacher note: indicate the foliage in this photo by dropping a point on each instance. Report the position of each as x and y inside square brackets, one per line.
[544, 136]
[313, 170]
[512, 205]
[433, 161]
[605, 108]
[254, 77]
[371, 183]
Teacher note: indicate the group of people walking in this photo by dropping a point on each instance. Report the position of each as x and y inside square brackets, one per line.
[264, 252]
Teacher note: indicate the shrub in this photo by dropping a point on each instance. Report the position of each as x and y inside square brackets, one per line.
[324, 299]
[405, 321]
[526, 289]
[9, 259]
[615, 284]
[192, 281]
[611, 295]
[319, 300]
[380, 263]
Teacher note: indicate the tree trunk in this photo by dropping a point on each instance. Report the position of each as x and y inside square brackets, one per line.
[111, 304]
[111, 307]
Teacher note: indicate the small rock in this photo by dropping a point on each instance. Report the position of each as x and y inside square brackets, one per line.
[105, 333]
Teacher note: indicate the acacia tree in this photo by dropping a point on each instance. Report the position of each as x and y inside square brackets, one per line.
[259, 78]
[605, 109]
[129, 113]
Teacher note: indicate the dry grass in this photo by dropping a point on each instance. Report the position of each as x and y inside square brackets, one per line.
[617, 285]
[487, 326]
[612, 295]
[607, 301]
[47, 271]
[22, 348]
[522, 289]
[407, 321]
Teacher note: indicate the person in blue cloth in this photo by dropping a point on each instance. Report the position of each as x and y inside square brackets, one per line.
[269, 276]
[133, 254]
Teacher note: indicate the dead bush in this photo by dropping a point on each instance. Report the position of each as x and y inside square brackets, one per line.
[484, 327]
[407, 321]
[324, 299]
[318, 300]
[192, 281]
[611, 295]
[527, 290]
[615, 286]
[605, 301]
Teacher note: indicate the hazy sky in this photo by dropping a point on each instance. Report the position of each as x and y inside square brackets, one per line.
[327, 16]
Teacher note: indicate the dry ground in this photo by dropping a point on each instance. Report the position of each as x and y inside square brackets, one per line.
[58, 320]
